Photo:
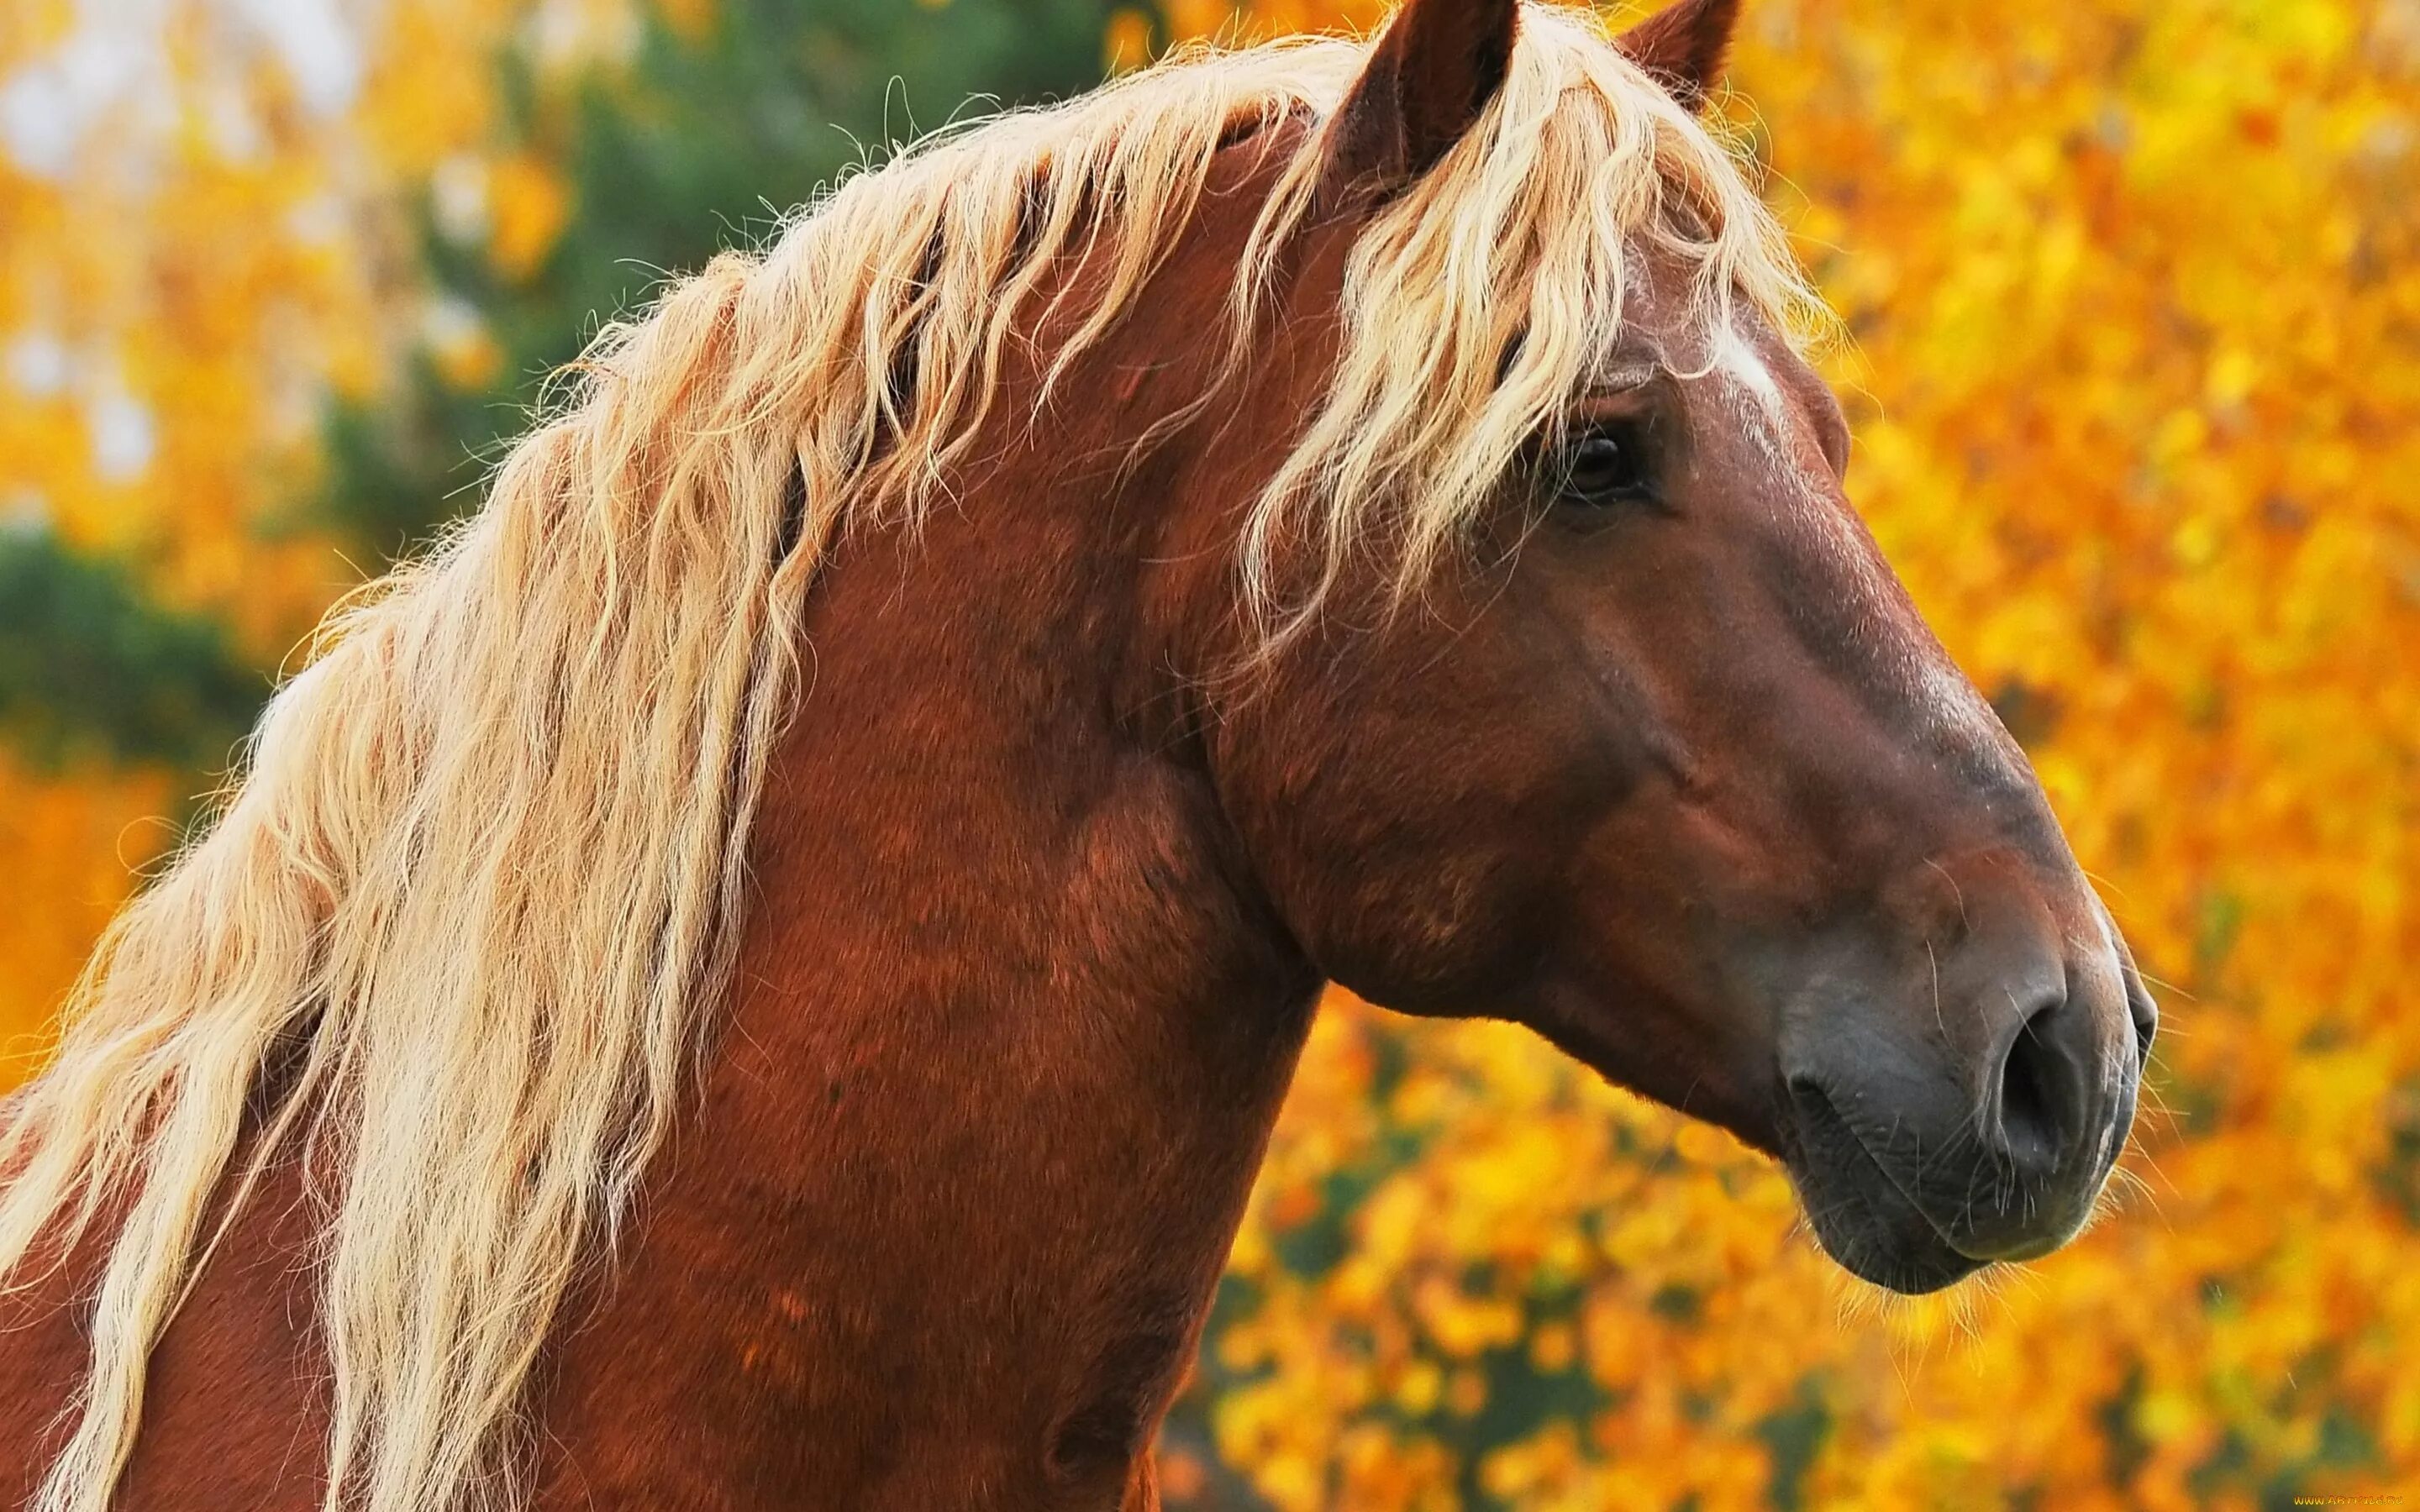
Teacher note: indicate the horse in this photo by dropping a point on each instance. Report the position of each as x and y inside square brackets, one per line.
[758, 973]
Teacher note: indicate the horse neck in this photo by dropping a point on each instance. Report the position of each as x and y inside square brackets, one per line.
[992, 878]
[1008, 1031]
[991, 829]
[996, 892]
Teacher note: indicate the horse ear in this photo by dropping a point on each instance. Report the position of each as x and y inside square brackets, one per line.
[1427, 80]
[1683, 45]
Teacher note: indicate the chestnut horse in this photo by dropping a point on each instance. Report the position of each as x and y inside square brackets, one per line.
[758, 976]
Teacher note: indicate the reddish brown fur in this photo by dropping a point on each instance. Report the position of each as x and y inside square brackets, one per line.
[1010, 991]
[1044, 903]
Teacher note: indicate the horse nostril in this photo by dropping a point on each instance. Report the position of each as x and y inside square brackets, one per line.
[2030, 1082]
[2145, 1015]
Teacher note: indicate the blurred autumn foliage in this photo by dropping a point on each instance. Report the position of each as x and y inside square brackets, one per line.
[2134, 290]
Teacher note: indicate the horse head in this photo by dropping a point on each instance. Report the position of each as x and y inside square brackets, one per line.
[1658, 758]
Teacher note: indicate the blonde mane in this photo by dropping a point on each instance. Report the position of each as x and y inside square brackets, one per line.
[456, 934]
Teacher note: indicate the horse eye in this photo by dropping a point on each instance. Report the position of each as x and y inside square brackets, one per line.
[1604, 467]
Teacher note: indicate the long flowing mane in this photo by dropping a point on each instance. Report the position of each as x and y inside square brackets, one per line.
[454, 937]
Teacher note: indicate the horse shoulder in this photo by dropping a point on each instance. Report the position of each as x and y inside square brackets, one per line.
[235, 1413]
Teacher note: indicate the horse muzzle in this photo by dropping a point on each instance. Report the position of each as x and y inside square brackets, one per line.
[1928, 1143]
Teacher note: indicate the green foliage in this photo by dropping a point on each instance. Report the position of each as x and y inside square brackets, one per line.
[90, 669]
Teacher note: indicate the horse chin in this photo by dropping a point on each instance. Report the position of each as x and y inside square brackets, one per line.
[1870, 1227]
[1878, 1237]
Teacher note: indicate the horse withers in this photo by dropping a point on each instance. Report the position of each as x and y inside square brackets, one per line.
[759, 974]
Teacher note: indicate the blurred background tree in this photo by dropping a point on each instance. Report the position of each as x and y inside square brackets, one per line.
[595, 188]
[2134, 291]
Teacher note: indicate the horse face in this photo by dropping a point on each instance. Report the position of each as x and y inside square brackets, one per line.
[1674, 773]
[1678, 777]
